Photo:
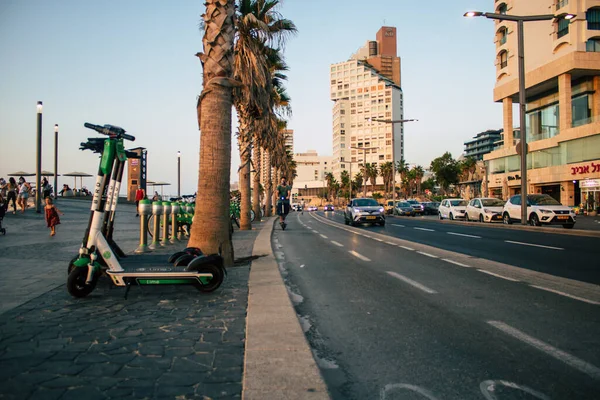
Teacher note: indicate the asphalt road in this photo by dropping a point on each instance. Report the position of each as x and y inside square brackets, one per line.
[567, 256]
[387, 321]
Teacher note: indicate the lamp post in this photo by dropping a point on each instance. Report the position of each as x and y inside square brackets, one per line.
[38, 161]
[520, 20]
[178, 174]
[55, 160]
[393, 122]
[364, 149]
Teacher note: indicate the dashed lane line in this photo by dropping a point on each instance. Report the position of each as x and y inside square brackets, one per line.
[534, 245]
[560, 355]
[411, 282]
[324, 237]
[566, 295]
[358, 255]
[497, 275]
[427, 254]
[401, 226]
[337, 244]
[424, 229]
[407, 248]
[456, 263]
[391, 244]
[464, 234]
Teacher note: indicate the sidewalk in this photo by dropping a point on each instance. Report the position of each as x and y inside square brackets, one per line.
[162, 342]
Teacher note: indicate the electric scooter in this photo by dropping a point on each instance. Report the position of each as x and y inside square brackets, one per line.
[205, 272]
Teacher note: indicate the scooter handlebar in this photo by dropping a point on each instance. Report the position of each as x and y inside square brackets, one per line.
[110, 130]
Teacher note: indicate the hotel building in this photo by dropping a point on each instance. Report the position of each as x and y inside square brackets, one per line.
[562, 66]
[367, 86]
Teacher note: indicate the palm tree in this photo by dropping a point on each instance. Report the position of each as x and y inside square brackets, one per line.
[345, 180]
[402, 169]
[210, 232]
[358, 181]
[387, 173]
[371, 174]
[329, 178]
[419, 172]
[258, 26]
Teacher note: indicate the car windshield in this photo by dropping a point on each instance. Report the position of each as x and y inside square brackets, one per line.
[458, 203]
[412, 201]
[542, 200]
[492, 202]
[365, 203]
[329, 205]
[402, 204]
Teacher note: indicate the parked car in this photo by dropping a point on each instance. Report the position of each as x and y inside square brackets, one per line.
[364, 210]
[404, 208]
[485, 210]
[452, 209]
[389, 207]
[430, 208]
[312, 208]
[418, 207]
[542, 209]
[328, 207]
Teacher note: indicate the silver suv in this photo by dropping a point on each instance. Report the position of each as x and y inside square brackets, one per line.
[364, 211]
[541, 210]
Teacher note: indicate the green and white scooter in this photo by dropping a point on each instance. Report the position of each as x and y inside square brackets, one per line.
[205, 272]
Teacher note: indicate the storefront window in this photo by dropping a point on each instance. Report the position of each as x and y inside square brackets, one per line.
[542, 123]
[581, 110]
[498, 166]
[579, 150]
[513, 163]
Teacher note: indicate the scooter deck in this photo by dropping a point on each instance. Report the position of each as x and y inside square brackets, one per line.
[150, 265]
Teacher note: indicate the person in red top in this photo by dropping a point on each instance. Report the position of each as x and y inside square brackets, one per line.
[52, 218]
[140, 194]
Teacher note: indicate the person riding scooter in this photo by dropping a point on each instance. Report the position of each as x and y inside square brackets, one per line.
[283, 201]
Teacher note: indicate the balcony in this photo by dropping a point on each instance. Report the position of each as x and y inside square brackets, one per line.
[585, 121]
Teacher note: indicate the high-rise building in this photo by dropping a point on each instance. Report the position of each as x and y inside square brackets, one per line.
[365, 87]
[562, 66]
[482, 143]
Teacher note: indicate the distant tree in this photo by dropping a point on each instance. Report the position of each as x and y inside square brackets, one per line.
[345, 182]
[402, 169]
[387, 173]
[371, 173]
[446, 170]
[377, 196]
[467, 168]
[358, 182]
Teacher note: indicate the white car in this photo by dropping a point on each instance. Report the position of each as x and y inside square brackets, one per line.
[485, 210]
[364, 210]
[542, 209]
[452, 209]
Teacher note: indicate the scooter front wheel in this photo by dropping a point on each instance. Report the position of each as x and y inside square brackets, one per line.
[214, 282]
[76, 282]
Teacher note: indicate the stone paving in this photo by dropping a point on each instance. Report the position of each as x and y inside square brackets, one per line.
[165, 342]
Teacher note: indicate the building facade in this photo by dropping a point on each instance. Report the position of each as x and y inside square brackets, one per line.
[562, 66]
[482, 143]
[365, 87]
[311, 169]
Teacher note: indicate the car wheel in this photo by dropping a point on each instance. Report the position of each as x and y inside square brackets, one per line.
[568, 226]
[440, 216]
[506, 219]
[534, 220]
[451, 217]
[480, 217]
[346, 220]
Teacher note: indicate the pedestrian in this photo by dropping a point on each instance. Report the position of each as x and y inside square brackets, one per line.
[283, 201]
[3, 186]
[23, 196]
[140, 194]
[156, 197]
[52, 218]
[11, 193]
[46, 188]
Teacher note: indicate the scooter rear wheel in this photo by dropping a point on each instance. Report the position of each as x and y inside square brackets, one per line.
[76, 282]
[215, 281]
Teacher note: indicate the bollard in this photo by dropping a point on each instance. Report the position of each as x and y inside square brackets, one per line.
[165, 218]
[144, 209]
[174, 224]
[157, 209]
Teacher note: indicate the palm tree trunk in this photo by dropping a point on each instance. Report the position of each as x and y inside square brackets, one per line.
[256, 191]
[210, 232]
[268, 186]
[244, 178]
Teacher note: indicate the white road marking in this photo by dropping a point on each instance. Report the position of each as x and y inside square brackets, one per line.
[337, 244]
[534, 245]
[488, 389]
[463, 234]
[390, 243]
[379, 240]
[425, 229]
[560, 355]
[411, 282]
[324, 237]
[407, 248]
[401, 386]
[302, 266]
[427, 254]
[401, 226]
[315, 231]
[566, 295]
[358, 255]
[456, 263]
[497, 275]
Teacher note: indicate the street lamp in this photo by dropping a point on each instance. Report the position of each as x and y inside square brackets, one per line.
[55, 160]
[178, 174]
[38, 161]
[393, 122]
[520, 19]
[364, 149]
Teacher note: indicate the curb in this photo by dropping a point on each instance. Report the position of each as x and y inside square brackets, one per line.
[517, 227]
[278, 362]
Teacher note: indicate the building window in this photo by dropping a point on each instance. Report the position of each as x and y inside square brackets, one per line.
[343, 165]
[503, 59]
[502, 8]
[563, 27]
[542, 123]
[593, 18]
[503, 33]
[581, 110]
[342, 132]
[593, 45]
[561, 3]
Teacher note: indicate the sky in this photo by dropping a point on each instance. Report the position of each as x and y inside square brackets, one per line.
[132, 64]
